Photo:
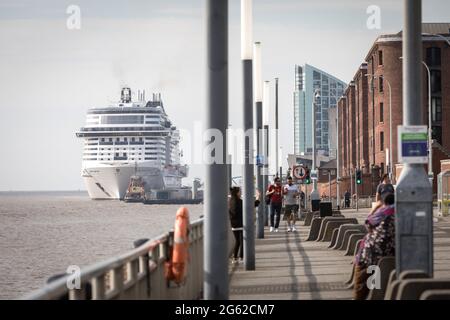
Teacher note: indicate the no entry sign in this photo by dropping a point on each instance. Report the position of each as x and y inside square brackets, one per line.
[299, 172]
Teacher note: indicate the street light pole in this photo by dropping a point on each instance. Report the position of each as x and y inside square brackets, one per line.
[413, 195]
[314, 193]
[266, 116]
[248, 168]
[259, 141]
[276, 127]
[215, 263]
[430, 131]
[430, 140]
[338, 195]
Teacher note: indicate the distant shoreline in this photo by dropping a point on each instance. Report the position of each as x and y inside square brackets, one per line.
[44, 192]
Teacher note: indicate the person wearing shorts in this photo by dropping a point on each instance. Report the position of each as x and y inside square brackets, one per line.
[290, 192]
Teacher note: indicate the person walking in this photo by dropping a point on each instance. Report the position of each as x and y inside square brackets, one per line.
[276, 198]
[291, 194]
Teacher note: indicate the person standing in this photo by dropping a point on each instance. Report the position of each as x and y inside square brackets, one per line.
[347, 199]
[236, 219]
[276, 198]
[290, 193]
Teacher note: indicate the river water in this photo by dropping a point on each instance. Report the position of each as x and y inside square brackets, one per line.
[42, 233]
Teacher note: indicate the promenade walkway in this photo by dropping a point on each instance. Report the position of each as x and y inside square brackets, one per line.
[288, 267]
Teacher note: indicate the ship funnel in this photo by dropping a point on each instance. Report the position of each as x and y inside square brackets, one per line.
[125, 95]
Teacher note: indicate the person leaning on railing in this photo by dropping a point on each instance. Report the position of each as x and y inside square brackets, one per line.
[377, 243]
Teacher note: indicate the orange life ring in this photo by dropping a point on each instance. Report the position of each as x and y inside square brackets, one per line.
[176, 267]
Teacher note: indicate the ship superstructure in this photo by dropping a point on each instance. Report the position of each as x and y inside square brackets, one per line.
[130, 139]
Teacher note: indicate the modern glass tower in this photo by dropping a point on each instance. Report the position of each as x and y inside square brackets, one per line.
[307, 80]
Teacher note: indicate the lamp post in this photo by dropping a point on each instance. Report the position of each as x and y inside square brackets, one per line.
[266, 115]
[276, 127]
[315, 196]
[216, 228]
[338, 195]
[390, 125]
[248, 168]
[258, 105]
[413, 195]
[430, 139]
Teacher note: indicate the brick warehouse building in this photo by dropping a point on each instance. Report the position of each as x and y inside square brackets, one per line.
[364, 131]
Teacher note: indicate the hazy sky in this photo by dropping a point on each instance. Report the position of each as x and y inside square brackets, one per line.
[50, 75]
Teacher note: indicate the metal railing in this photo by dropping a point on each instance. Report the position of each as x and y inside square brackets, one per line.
[137, 274]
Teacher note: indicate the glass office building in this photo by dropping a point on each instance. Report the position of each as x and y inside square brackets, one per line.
[307, 80]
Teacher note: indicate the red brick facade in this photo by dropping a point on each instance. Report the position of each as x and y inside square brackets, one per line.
[364, 117]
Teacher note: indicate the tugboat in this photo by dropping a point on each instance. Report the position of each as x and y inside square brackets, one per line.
[136, 190]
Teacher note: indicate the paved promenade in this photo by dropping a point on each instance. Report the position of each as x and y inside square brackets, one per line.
[288, 267]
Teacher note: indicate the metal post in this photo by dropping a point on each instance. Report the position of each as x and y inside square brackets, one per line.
[430, 139]
[391, 162]
[248, 168]
[351, 186]
[276, 126]
[265, 175]
[338, 195]
[216, 226]
[414, 211]
[258, 86]
[329, 183]
[315, 196]
[356, 192]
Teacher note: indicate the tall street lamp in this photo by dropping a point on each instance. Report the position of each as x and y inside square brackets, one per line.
[215, 263]
[315, 193]
[258, 105]
[248, 169]
[266, 116]
[390, 125]
[430, 139]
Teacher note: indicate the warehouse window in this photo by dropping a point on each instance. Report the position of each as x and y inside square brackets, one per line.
[381, 141]
[380, 58]
[381, 112]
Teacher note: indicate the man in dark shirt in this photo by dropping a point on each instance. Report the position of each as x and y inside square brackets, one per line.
[347, 199]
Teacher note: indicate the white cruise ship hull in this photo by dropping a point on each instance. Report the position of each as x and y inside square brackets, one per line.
[111, 181]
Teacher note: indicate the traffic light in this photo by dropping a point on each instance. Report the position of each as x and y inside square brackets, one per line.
[358, 176]
[307, 179]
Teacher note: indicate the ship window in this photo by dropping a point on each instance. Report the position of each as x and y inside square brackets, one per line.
[117, 154]
[103, 139]
[132, 139]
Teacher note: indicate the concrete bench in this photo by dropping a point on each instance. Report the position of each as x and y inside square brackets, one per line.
[350, 281]
[435, 295]
[352, 243]
[412, 289]
[309, 217]
[394, 283]
[334, 238]
[315, 228]
[329, 224]
[346, 238]
[386, 265]
[341, 232]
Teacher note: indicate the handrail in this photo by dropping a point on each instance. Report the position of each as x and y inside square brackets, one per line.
[140, 264]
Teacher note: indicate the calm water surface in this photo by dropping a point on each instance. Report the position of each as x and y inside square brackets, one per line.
[42, 233]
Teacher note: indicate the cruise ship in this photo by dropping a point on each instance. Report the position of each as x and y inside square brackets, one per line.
[129, 139]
